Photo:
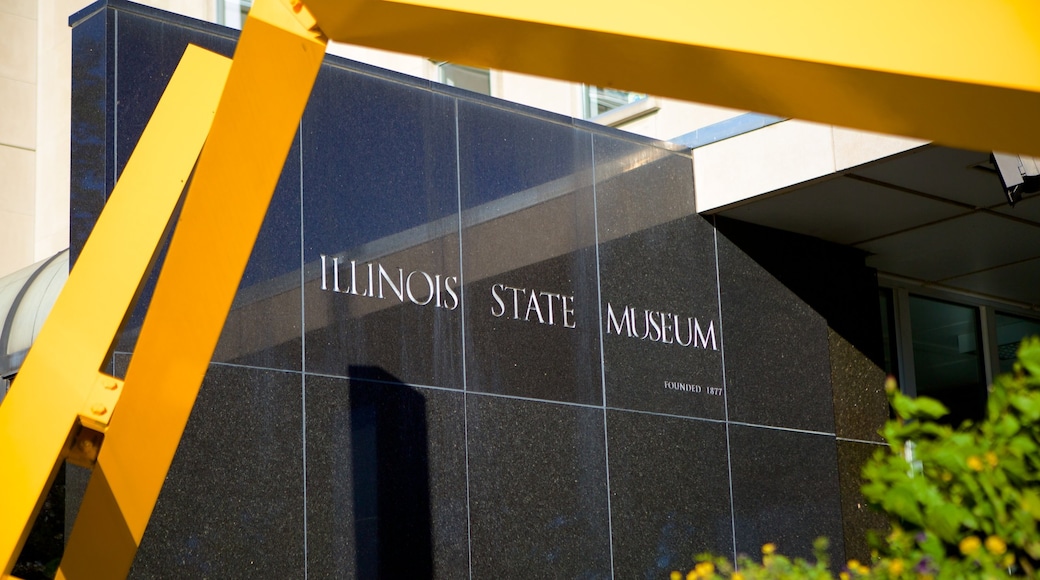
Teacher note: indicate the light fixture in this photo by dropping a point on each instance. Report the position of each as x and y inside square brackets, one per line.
[1018, 174]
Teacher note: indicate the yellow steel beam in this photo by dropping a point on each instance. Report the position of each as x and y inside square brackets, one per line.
[274, 67]
[40, 413]
[962, 72]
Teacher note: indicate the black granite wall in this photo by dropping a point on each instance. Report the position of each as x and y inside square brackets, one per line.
[476, 340]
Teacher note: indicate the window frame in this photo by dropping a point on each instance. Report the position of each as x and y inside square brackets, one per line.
[986, 308]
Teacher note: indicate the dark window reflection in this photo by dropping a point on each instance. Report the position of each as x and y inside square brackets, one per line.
[948, 364]
[1010, 332]
[391, 479]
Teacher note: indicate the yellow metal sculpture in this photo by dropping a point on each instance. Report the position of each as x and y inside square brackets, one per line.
[899, 68]
[965, 73]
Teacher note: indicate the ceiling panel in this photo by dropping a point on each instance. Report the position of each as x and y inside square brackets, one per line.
[1028, 209]
[846, 211]
[943, 172]
[955, 247]
[1019, 282]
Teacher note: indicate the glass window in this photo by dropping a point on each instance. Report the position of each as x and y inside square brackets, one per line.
[1010, 331]
[233, 13]
[599, 100]
[473, 79]
[948, 363]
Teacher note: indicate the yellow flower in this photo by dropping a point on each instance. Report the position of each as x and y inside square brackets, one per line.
[890, 384]
[970, 545]
[996, 545]
[895, 567]
[844, 576]
[855, 566]
[991, 458]
[1008, 560]
[705, 569]
[692, 575]
[736, 576]
[769, 549]
[676, 575]
[975, 463]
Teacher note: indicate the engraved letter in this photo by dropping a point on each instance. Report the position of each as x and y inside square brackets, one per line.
[370, 291]
[451, 292]
[353, 277]
[501, 305]
[516, 301]
[324, 286]
[335, 275]
[652, 322]
[626, 320]
[398, 289]
[704, 337]
[408, 287]
[689, 335]
[532, 304]
[646, 324]
[549, 296]
[666, 321]
[568, 321]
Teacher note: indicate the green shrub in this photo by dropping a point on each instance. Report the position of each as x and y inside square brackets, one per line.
[963, 502]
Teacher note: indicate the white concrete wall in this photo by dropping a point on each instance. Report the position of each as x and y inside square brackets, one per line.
[35, 111]
[770, 159]
[18, 81]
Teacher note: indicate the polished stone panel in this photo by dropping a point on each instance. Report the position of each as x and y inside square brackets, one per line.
[140, 75]
[386, 480]
[232, 504]
[380, 203]
[537, 488]
[529, 257]
[669, 488]
[90, 179]
[423, 240]
[777, 364]
[785, 491]
[857, 517]
[860, 404]
[662, 338]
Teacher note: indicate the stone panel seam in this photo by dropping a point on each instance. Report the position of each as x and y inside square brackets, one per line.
[851, 440]
[242, 366]
[725, 389]
[788, 429]
[303, 356]
[115, 104]
[667, 415]
[602, 355]
[462, 337]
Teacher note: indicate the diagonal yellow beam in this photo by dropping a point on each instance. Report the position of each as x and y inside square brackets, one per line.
[964, 73]
[39, 414]
[274, 67]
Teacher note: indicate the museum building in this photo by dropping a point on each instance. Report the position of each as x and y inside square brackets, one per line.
[477, 339]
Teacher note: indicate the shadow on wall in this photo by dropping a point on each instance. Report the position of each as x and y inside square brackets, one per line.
[390, 466]
[834, 280]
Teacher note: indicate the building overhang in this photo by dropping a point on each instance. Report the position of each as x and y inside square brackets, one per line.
[927, 214]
